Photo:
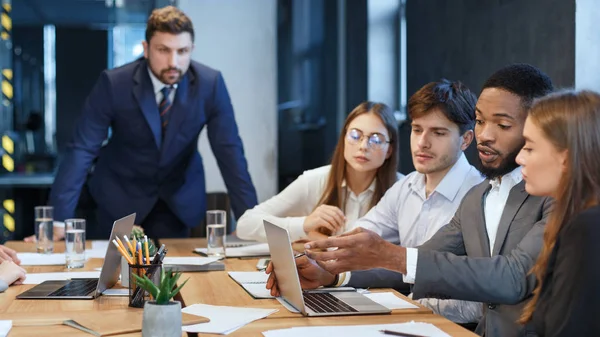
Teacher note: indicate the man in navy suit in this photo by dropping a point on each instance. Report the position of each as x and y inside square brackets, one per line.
[156, 107]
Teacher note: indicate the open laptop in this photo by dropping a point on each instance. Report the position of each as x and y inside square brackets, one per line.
[318, 302]
[86, 289]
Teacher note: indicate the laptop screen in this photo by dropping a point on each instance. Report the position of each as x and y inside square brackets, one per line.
[110, 269]
[282, 257]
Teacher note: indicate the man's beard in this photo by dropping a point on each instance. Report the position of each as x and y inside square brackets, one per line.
[508, 164]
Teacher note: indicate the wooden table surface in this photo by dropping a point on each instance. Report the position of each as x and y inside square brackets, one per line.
[214, 288]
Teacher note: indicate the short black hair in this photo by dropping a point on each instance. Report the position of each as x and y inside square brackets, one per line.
[523, 80]
[453, 98]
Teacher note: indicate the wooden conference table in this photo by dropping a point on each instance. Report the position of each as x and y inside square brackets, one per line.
[215, 288]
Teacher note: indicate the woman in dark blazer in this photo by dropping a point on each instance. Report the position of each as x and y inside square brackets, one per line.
[561, 159]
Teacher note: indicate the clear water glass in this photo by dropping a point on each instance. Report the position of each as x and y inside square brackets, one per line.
[44, 218]
[216, 227]
[75, 243]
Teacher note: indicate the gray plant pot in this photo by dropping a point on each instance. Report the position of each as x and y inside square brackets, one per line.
[161, 320]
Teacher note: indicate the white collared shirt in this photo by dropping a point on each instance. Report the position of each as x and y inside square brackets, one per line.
[495, 200]
[291, 206]
[158, 86]
[406, 216]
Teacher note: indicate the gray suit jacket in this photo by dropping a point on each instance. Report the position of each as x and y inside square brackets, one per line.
[455, 263]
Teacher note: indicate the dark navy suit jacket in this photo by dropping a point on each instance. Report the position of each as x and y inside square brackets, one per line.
[137, 165]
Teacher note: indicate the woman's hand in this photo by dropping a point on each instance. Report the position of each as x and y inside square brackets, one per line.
[325, 217]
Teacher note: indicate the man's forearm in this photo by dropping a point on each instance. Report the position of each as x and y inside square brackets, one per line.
[394, 258]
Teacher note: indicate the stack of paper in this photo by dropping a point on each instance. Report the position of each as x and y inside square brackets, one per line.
[261, 249]
[36, 259]
[223, 320]
[37, 278]
[414, 328]
[254, 282]
[390, 301]
[5, 327]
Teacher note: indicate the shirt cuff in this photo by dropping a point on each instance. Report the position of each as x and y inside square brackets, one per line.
[3, 286]
[343, 279]
[296, 228]
[412, 255]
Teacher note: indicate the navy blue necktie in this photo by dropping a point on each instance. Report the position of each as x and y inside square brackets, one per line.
[164, 107]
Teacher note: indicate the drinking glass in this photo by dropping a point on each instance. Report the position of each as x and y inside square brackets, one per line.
[216, 224]
[75, 243]
[44, 217]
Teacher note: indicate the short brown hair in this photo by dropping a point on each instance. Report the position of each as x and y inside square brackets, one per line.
[453, 98]
[168, 20]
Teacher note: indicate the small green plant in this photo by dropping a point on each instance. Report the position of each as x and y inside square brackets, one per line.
[164, 291]
[138, 233]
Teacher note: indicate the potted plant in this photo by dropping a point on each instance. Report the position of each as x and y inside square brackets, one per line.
[162, 317]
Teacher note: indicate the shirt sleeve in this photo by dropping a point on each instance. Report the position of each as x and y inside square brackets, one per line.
[288, 209]
[412, 255]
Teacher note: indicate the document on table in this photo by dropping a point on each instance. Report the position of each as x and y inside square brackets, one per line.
[261, 249]
[5, 327]
[36, 259]
[415, 328]
[254, 282]
[223, 320]
[37, 278]
[189, 260]
[391, 301]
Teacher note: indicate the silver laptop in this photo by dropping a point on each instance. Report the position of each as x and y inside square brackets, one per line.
[86, 289]
[318, 302]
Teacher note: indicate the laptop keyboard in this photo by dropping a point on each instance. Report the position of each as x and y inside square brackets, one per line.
[325, 302]
[76, 288]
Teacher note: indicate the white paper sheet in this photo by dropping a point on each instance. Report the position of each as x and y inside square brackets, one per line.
[95, 253]
[189, 261]
[249, 276]
[116, 292]
[416, 328]
[257, 290]
[37, 278]
[391, 301]
[223, 320]
[5, 327]
[261, 249]
[36, 259]
[100, 245]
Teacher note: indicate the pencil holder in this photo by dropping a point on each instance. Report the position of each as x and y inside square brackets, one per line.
[137, 295]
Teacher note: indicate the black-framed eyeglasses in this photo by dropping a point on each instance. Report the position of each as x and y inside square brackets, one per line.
[375, 140]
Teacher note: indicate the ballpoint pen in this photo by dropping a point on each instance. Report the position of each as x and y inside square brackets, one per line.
[397, 333]
[299, 255]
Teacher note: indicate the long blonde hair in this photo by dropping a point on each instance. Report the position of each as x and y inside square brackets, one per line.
[571, 121]
[386, 173]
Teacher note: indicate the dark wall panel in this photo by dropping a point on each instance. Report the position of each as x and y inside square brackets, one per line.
[81, 55]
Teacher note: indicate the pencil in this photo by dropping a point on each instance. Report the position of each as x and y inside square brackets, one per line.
[123, 253]
[401, 334]
[147, 251]
[134, 242]
[120, 243]
[131, 249]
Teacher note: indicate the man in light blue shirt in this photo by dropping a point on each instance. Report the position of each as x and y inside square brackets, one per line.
[417, 206]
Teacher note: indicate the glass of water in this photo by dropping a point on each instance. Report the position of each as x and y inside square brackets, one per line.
[216, 225]
[75, 243]
[44, 216]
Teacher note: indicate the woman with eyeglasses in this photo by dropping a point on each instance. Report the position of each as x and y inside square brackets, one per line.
[329, 199]
[561, 159]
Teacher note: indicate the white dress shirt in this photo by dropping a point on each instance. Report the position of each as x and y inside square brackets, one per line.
[158, 86]
[407, 217]
[290, 208]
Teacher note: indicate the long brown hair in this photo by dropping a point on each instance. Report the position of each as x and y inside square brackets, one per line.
[386, 173]
[571, 121]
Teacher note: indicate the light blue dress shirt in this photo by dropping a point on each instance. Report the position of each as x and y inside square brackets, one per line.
[406, 216]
